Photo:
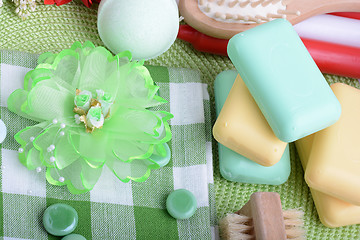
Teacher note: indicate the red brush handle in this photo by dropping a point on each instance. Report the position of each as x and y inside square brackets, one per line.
[335, 58]
[329, 57]
[354, 15]
[57, 2]
[202, 42]
[87, 3]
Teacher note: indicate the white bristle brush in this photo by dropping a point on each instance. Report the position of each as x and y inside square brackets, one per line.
[263, 218]
[225, 18]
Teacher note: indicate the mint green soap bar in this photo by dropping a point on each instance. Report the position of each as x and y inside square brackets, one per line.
[284, 80]
[235, 167]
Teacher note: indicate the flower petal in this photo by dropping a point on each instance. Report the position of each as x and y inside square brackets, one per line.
[78, 177]
[141, 125]
[137, 170]
[29, 156]
[66, 68]
[137, 88]
[47, 101]
[35, 76]
[91, 146]
[64, 152]
[16, 100]
[127, 150]
[96, 69]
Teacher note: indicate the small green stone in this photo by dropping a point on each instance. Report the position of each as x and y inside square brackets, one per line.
[60, 219]
[181, 204]
[162, 161]
[74, 237]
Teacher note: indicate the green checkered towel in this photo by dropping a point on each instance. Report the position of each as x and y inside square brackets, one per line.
[113, 209]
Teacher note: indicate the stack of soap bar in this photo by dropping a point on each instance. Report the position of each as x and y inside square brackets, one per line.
[332, 212]
[233, 166]
[334, 163]
[284, 80]
[241, 127]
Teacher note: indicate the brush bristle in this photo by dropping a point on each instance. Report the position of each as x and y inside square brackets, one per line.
[236, 227]
[246, 11]
[294, 225]
[240, 227]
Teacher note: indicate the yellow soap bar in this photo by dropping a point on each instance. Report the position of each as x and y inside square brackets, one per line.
[334, 163]
[332, 212]
[242, 127]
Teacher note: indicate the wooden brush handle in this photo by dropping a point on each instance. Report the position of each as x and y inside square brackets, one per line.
[309, 8]
[193, 16]
[266, 212]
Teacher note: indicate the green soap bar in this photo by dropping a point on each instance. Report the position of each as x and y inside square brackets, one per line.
[235, 167]
[181, 204]
[60, 219]
[222, 86]
[284, 80]
[74, 237]
[162, 161]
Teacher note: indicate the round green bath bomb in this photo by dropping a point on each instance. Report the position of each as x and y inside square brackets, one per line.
[147, 28]
[60, 219]
[181, 204]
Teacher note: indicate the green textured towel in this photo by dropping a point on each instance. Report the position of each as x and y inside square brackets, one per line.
[53, 28]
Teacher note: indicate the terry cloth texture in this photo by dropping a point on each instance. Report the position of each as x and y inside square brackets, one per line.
[113, 209]
[52, 28]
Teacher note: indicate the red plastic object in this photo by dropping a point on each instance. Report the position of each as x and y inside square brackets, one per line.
[334, 58]
[57, 2]
[202, 42]
[354, 15]
[330, 58]
[87, 3]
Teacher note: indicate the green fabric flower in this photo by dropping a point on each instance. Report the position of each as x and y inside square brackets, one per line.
[94, 110]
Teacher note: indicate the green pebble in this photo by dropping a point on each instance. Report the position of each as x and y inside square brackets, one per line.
[162, 161]
[181, 204]
[60, 219]
[74, 237]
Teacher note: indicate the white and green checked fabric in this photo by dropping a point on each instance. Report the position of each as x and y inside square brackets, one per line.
[115, 210]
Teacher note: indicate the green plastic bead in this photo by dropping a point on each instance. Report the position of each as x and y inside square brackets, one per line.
[181, 204]
[74, 237]
[162, 161]
[60, 219]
